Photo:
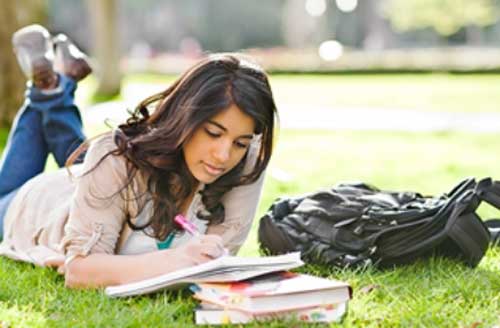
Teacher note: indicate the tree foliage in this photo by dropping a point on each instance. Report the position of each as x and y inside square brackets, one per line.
[445, 16]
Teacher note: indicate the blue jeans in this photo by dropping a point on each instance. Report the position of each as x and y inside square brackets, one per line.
[48, 122]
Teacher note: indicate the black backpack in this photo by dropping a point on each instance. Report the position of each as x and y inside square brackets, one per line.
[358, 224]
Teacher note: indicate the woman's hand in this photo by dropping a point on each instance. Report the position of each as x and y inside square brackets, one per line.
[101, 269]
[199, 250]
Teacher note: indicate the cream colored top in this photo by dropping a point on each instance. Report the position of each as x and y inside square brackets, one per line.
[140, 242]
[54, 214]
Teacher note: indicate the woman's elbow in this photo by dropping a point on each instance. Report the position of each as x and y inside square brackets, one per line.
[75, 275]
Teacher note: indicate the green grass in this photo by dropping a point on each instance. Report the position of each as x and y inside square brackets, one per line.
[427, 92]
[429, 293]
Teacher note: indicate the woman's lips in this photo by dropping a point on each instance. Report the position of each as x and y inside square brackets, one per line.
[212, 170]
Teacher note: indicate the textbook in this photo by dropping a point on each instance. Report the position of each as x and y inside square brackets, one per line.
[213, 315]
[274, 292]
[223, 269]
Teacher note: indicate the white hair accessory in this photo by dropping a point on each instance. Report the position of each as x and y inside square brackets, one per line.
[253, 152]
[256, 140]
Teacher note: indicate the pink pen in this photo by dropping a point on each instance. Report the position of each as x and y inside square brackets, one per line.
[186, 225]
[191, 228]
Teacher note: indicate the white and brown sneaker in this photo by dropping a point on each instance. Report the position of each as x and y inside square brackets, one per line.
[70, 60]
[34, 51]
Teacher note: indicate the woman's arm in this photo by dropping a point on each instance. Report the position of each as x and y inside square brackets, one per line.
[240, 206]
[96, 219]
[97, 270]
[103, 269]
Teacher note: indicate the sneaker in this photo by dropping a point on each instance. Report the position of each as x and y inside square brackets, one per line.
[70, 60]
[34, 52]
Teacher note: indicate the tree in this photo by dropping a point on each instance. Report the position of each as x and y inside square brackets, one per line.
[13, 15]
[376, 30]
[445, 16]
[106, 44]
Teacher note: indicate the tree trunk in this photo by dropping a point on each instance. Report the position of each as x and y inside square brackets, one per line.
[14, 15]
[473, 35]
[377, 35]
[106, 45]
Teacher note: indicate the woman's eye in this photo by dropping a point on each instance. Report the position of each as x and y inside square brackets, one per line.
[212, 134]
[241, 145]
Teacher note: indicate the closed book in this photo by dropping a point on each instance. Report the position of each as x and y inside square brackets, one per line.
[213, 315]
[274, 292]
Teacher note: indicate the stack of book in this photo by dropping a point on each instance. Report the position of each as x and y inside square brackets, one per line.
[279, 295]
[238, 290]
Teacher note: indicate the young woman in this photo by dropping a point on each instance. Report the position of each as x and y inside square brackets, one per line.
[199, 148]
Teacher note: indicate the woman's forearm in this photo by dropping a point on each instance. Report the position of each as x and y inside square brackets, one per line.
[99, 270]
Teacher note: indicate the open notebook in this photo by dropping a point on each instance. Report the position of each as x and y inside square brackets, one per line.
[223, 269]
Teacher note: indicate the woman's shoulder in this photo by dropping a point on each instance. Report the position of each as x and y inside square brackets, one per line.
[103, 148]
[102, 144]
[105, 162]
[101, 157]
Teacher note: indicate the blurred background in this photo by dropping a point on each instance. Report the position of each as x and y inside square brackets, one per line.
[399, 93]
[286, 36]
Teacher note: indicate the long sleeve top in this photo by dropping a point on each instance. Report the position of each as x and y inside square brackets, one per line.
[56, 214]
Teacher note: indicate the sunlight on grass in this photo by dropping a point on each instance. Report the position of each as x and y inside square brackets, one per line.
[427, 92]
[20, 317]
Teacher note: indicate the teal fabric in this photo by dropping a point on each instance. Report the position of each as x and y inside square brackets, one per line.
[166, 243]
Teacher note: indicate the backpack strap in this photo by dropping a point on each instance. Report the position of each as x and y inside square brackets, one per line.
[430, 232]
[463, 185]
[470, 236]
[489, 191]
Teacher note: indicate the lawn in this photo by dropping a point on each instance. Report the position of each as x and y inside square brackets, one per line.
[426, 92]
[429, 293]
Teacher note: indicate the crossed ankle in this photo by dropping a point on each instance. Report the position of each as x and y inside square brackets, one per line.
[40, 62]
[44, 76]
[70, 60]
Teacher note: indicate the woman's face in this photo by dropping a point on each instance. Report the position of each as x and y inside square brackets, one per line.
[219, 144]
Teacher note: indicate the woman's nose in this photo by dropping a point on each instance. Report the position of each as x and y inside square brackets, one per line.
[222, 152]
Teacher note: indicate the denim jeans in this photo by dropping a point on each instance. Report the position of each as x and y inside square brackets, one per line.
[48, 122]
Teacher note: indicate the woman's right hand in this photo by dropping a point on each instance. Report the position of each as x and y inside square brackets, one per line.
[101, 269]
[199, 250]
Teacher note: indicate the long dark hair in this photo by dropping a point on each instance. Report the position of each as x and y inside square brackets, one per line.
[152, 142]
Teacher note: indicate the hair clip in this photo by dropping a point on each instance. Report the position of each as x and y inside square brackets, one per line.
[256, 140]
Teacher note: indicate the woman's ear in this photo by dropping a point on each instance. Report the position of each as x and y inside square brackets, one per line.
[252, 153]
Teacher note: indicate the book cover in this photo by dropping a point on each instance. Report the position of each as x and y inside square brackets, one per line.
[278, 291]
